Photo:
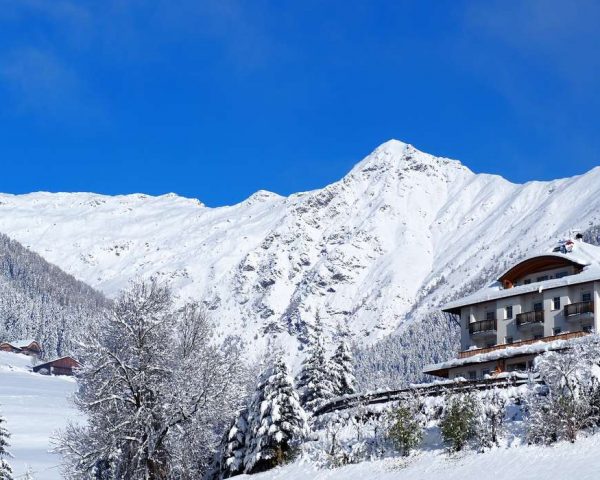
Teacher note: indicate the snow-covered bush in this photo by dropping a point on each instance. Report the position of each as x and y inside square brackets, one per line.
[5, 469]
[571, 401]
[491, 409]
[459, 421]
[406, 432]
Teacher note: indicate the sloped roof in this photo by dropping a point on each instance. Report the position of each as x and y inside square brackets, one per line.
[21, 343]
[42, 365]
[583, 254]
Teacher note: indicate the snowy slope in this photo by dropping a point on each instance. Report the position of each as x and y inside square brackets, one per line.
[34, 406]
[563, 461]
[403, 232]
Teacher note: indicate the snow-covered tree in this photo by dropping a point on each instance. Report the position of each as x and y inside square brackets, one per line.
[276, 420]
[459, 421]
[406, 431]
[5, 469]
[155, 390]
[342, 371]
[29, 474]
[314, 381]
[232, 454]
[572, 401]
[491, 407]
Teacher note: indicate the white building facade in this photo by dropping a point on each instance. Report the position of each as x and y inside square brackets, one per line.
[544, 299]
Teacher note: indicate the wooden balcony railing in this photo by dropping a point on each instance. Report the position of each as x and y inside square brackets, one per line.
[528, 318]
[561, 336]
[482, 326]
[579, 308]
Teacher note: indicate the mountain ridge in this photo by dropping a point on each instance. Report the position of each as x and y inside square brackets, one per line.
[372, 252]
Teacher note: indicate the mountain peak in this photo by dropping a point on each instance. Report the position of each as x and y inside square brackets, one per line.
[395, 156]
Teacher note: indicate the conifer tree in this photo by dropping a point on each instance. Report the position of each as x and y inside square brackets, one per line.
[276, 420]
[459, 421]
[406, 431]
[5, 470]
[233, 447]
[342, 371]
[314, 382]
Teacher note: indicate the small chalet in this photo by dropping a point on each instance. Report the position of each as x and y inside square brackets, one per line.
[26, 347]
[543, 303]
[60, 366]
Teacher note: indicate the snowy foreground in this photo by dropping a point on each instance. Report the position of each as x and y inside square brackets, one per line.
[563, 461]
[35, 406]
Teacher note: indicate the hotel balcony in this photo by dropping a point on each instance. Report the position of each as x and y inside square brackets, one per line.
[574, 311]
[580, 315]
[530, 320]
[483, 328]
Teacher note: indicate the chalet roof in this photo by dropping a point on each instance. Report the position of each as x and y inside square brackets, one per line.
[584, 254]
[21, 343]
[42, 365]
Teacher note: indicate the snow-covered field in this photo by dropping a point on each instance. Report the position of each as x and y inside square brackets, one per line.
[563, 461]
[35, 406]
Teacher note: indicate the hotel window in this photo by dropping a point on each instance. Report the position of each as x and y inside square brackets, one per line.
[538, 306]
[508, 313]
[561, 274]
[543, 278]
[556, 330]
[527, 281]
[490, 315]
[586, 297]
[537, 337]
[485, 371]
[588, 329]
[472, 375]
[508, 340]
[556, 303]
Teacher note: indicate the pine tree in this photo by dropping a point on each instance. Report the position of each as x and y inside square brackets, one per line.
[406, 432]
[314, 381]
[5, 470]
[459, 421]
[233, 447]
[276, 420]
[342, 371]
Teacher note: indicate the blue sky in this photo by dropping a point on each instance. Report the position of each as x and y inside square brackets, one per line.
[217, 99]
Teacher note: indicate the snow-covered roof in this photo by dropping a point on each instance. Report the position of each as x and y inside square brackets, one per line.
[584, 254]
[21, 343]
[508, 352]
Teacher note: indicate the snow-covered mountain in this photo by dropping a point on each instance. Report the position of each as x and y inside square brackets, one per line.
[400, 233]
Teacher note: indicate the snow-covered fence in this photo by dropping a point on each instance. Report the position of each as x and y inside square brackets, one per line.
[509, 379]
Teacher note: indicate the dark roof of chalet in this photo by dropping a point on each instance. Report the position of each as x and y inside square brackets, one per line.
[51, 362]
